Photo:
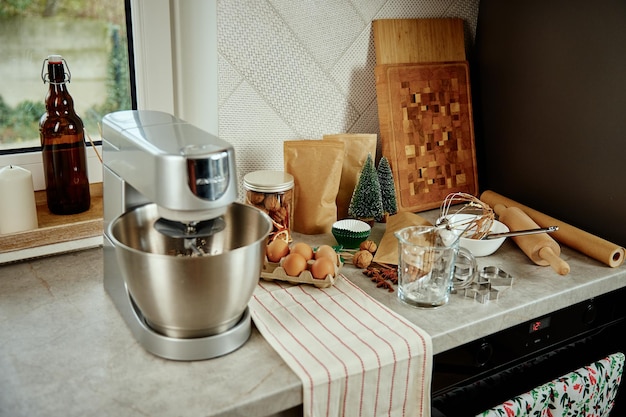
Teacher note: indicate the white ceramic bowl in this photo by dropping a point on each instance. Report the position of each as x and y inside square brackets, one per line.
[481, 247]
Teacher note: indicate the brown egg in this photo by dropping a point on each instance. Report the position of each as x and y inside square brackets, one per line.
[303, 249]
[276, 250]
[321, 267]
[326, 251]
[294, 264]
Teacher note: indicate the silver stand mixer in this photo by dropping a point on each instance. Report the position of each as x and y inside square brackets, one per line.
[181, 257]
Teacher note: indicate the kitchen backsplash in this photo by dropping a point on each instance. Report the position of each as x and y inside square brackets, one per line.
[301, 69]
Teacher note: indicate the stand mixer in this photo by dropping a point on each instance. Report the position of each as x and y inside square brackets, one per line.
[181, 257]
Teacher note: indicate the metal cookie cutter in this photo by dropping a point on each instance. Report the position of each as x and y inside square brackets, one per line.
[491, 282]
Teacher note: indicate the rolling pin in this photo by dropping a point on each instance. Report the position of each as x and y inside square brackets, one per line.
[593, 246]
[540, 248]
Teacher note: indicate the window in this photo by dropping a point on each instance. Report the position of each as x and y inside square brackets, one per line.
[92, 37]
[174, 70]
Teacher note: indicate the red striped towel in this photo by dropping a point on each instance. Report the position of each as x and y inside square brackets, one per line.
[355, 357]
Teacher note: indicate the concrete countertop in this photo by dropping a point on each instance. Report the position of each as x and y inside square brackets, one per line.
[65, 350]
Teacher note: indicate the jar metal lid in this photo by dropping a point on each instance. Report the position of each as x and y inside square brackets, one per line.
[268, 181]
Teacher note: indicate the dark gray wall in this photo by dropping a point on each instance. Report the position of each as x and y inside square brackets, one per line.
[549, 92]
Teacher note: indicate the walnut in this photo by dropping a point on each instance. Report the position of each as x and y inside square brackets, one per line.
[271, 202]
[369, 246]
[279, 215]
[362, 259]
[255, 198]
[287, 197]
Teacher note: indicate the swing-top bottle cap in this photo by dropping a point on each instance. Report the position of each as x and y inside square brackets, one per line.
[55, 59]
[61, 73]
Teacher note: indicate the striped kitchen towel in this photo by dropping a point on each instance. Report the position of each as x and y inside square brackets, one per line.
[355, 357]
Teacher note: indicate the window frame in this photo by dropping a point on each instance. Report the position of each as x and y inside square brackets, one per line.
[176, 70]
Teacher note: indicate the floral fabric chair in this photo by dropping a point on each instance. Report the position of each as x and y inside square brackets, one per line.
[589, 391]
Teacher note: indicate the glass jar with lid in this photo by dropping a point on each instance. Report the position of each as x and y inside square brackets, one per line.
[272, 192]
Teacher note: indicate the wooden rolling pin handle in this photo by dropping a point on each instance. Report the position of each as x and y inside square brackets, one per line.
[499, 209]
[558, 264]
[542, 250]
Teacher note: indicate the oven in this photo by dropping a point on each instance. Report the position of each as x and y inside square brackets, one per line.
[486, 372]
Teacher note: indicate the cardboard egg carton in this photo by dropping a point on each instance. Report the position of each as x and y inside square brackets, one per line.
[274, 271]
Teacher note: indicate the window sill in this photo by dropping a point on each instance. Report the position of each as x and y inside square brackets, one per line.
[56, 233]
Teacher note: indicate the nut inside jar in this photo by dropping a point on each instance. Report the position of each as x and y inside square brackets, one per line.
[272, 193]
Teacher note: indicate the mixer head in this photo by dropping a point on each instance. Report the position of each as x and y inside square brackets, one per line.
[188, 173]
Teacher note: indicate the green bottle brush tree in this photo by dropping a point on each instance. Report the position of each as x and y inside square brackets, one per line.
[374, 196]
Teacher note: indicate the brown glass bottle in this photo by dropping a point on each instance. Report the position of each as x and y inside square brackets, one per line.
[63, 146]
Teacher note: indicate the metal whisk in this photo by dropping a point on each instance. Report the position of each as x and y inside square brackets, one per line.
[474, 226]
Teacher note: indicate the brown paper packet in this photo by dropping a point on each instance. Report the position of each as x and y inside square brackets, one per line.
[357, 147]
[316, 168]
[387, 252]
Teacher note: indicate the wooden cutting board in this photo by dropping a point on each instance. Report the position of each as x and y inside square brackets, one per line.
[399, 41]
[427, 131]
[424, 109]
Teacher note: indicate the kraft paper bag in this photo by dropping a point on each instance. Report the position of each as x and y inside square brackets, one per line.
[316, 168]
[357, 147]
[387, 252]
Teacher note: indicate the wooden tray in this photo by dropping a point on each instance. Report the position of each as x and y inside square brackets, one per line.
[56, 229]
[427, 131]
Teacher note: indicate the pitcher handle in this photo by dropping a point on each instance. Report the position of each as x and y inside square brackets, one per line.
[465, 270]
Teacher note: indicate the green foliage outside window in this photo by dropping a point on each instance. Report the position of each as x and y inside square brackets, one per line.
[17, 123]
[20, 123]
[118, 90]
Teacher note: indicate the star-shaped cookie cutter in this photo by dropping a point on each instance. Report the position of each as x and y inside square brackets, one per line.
[491, 282]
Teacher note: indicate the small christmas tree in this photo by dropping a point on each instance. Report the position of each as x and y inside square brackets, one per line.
[387, 188]
[366, 202]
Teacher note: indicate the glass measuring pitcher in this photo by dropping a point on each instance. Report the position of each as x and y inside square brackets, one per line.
[426, 267]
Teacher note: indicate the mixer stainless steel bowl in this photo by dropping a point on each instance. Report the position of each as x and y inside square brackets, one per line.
[180, 292]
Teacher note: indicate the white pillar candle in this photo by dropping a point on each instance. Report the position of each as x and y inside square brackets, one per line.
[18, 211]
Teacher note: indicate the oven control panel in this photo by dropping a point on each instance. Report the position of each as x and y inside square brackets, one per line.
[527, 340]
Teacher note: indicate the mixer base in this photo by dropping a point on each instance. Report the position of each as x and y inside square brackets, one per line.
[163, 346]
[198, 348]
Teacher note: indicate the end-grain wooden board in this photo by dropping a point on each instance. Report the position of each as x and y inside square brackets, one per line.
[427, 131]
[400, 41]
